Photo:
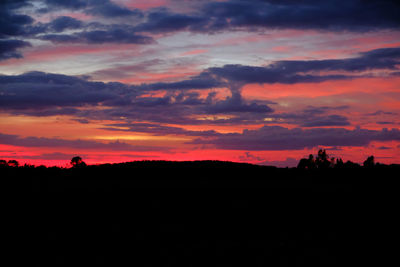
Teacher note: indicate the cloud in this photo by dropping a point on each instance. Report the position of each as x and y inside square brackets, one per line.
[235, 104]
[329, 15]
[290, 72]
[383, 58]
[46, 94]
[331, 120]
[12, 24]
[103, 8]
[120, 71]
[107, 8]
[289, 162]
[353, 15]
[312, 110]
[50, 156]
[11, 27]
[71, 4]
[14, 140]
[311, 116]
[280, 138]
[380, 113]
[212, 16]
[38, 90]
[63, 23]
[157, 129]
[111, 35]
[115, 23]
[162, 21]
[286, 72]
[202, 81]
[250, 157]
[10, 48]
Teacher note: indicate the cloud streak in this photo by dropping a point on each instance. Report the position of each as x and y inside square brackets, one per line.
[14, 140]
[280, 138]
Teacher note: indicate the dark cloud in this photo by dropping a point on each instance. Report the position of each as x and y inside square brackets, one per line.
[353, 15]
[57, 25]
[383, 58]
[234, 104]
[289, 162]
[312, 110]
[328, 15]
[157, 129]
[280, 138]
[162, 21]
[290, 72]
[250, 157]
[14, 140]
[310, 117]
[52, 156]
[203, 81]
[10, 48]
[113, 35]
[63, 23]
[286, 72]
[71, 4]
[44, 94]
[380, 113]
[331, 120]
[18, 25]
[11, 23]
[120, 71]
[107, 8]
[270, 74]
[104, 8]
[38, 90]
[208, 17]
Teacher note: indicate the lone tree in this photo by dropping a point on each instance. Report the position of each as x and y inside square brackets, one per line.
[77, 162]
[369, 162]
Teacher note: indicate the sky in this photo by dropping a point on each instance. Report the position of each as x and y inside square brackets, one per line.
[262, 81]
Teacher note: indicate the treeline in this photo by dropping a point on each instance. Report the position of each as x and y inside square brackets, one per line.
[321, 161]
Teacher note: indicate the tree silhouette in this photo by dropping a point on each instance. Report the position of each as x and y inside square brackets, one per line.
[369, 162]
[3, 163]
[13, 163]
[322, 160]
[77, 162]
[307, 163]
[339, 163]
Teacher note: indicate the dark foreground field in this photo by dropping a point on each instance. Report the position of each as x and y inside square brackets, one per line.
[202, 214]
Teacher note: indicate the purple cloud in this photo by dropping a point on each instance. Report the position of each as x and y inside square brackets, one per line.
[14, 140]
[280, 138]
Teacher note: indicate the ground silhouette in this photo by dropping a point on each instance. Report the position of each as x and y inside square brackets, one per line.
[204, 213]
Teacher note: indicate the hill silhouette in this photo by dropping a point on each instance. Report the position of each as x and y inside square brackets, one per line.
[203, 213]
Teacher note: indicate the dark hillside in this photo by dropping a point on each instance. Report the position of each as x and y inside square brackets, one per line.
[208, 213]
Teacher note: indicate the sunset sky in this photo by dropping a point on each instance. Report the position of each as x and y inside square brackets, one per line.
[260, 81]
